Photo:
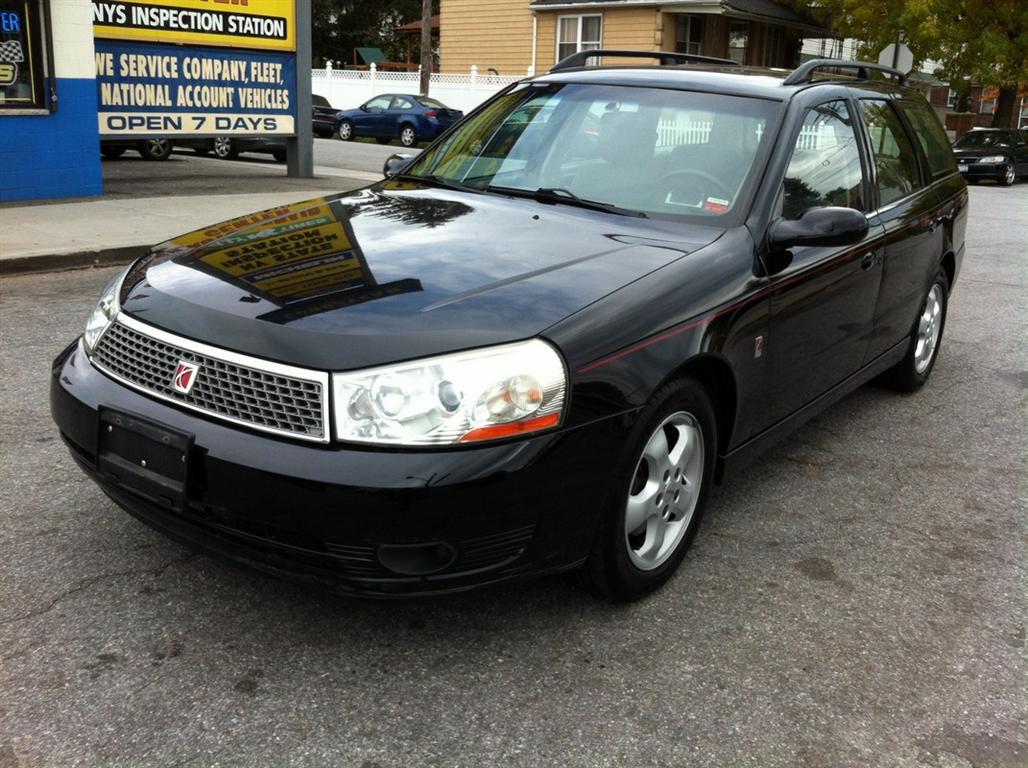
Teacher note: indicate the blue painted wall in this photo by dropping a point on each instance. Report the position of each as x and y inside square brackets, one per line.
[55, 155]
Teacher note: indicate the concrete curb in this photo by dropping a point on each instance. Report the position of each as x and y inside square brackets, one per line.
[60, 262]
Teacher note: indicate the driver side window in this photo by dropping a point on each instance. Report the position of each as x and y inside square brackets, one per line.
[825, 166]
[380, 102]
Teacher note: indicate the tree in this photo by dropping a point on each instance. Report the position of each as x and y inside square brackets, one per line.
[986, 40]
[426, 45]
[339, 26]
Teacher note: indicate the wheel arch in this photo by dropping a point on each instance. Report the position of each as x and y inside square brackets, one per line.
[949, 266]
[715, 375]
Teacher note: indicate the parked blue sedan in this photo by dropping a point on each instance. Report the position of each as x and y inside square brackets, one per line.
[397, 116]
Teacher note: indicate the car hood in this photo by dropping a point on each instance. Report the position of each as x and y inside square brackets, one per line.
[980, 151]
[393, 272]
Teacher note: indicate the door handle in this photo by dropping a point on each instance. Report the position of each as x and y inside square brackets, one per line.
[869, 260]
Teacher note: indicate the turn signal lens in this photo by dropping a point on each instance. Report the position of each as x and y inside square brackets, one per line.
[486, 394]
[509, 430]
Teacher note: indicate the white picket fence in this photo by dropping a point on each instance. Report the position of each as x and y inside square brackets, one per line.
[349, 88]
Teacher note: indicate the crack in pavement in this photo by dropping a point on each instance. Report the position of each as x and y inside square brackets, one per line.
[91, 581]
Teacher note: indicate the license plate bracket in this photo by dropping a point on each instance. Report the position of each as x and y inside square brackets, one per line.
[144, 457]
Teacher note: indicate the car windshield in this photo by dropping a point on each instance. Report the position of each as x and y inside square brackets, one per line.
[984, 139]
[648, 151]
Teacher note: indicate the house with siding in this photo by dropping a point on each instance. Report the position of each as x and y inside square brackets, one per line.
[513, 37]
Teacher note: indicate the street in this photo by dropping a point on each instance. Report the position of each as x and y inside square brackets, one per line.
[184, 173]
[854, 598]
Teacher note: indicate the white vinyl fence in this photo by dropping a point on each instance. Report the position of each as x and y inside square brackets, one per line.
[349, 88]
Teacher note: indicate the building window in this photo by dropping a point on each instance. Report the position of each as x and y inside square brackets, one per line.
[578, 33]
[951, 99]
[988, 107]
[24, 48]
[774, 38]
[738, 40]
[688, 34]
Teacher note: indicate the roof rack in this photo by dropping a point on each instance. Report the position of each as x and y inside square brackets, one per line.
[667, 58]
[805, 71]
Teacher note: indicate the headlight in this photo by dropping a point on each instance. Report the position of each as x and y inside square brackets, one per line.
[992, 160]
[106, 310]
[485, 394]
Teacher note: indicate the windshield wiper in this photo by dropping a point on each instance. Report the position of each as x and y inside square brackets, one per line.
[563, 196]
[436, 181]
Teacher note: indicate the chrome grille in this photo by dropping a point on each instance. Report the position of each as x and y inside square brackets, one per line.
[258, 393]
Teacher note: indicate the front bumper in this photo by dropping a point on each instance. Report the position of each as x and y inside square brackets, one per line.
[980, 171]
[364, 521]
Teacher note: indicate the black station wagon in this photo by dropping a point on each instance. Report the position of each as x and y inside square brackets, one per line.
[535, 346]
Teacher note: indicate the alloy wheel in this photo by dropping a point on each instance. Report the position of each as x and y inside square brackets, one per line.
[408, 137]
[158, 149]
[1010, 177]
[345, 131]
[664, 491]
[223, 147]
[929, 326]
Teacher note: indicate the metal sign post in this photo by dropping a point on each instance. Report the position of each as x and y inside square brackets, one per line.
[300, 148]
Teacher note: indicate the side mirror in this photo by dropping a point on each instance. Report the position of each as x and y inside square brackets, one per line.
[395, 164]
[363, 107]
[819, 226]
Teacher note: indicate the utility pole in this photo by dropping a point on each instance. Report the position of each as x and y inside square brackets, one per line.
[300, 148]
[426, 45]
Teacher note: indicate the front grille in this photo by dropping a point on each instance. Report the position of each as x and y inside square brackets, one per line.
[250, 391]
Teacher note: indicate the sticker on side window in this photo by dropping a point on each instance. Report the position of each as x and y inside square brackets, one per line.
[716, 205]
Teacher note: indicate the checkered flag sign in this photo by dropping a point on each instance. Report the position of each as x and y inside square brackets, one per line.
[10, 52]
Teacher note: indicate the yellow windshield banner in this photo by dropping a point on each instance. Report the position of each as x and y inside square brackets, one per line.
[268, 25]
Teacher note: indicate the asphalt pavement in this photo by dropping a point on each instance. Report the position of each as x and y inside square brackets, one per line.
[855, 598]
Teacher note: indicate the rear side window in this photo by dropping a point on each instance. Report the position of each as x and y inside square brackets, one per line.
[931, 136]
[894, 155]
[825, 164]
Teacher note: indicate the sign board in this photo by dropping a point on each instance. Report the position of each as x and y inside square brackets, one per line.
[149, 89]
[267, 25]
[902, 59]
[22, 74]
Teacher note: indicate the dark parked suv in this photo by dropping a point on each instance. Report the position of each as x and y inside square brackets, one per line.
[535, 346]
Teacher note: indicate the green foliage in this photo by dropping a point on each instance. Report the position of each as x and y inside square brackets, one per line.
[986, 39]
[339, 26]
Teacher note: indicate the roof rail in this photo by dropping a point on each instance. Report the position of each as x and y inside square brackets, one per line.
[805, 71]
[667, 58]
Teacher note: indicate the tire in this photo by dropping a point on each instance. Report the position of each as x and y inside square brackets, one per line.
[155, 149]
[1009, 176]
[112, 153]
[911, 373]
[224, 148]
[658, 492]
[383, 140]
[345, 130]
[408, 136]
[202, 151]
[279, 155]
